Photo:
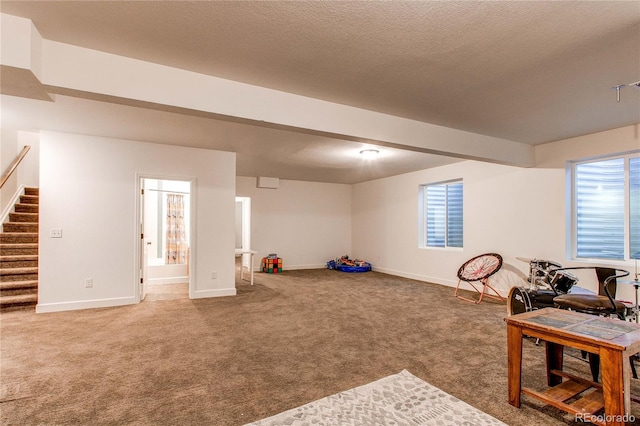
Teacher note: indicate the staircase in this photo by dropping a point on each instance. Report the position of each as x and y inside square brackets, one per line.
[19, 255]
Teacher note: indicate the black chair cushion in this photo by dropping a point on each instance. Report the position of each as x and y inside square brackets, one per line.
[589, 303]
[542, 297]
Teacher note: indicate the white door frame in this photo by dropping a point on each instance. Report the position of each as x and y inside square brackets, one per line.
[191, 264]
[246, 227]
[142, 251]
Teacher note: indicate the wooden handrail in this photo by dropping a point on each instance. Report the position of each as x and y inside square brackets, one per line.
[12, 168]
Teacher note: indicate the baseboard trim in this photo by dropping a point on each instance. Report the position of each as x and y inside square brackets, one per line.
[169, 280]
[417, 277]
[218, 292]
[42, 308]
[296, 267]
[464, 285]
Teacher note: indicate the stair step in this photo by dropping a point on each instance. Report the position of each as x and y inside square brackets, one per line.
[18, 274]
[18, 300]
[23, 217]
[19, 261]
[19, 227]
[18, 249]
[18, 277]
[18, 271]
[18, 237]
[29, 199]
[19, 291]
[18, 285]
[19, 255]
[26, 208]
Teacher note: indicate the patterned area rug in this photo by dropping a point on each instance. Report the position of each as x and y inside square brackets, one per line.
[400, 399]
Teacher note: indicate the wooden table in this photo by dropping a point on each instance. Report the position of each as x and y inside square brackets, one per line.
[613, 340]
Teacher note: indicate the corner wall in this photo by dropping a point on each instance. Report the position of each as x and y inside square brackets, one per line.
[8, 152]
[88, 189]
[305, 223]
[517, 212]
[26, 175]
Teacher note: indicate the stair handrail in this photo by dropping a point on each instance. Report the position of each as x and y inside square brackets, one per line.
[12, 168]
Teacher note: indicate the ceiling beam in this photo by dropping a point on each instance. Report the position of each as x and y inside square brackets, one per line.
[65, 68]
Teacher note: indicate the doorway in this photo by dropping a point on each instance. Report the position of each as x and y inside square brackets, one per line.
[166, 218]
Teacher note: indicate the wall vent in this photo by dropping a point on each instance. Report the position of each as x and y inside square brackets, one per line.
[268, 182]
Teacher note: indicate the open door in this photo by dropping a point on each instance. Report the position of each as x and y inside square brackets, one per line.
[164, 251]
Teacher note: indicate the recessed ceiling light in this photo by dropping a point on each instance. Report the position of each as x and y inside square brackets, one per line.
[369, 153]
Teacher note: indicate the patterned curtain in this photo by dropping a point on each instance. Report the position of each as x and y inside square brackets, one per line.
[176, 242]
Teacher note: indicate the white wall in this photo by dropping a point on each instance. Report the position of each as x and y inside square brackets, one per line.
[168, 274]
[305, 223]
[8, 152]
[88, 189]
[26, 175]
[517, 212]
[28, 170]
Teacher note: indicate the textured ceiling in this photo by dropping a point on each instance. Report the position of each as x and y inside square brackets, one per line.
[529, 72]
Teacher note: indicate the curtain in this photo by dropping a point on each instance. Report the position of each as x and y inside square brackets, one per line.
[176, 250]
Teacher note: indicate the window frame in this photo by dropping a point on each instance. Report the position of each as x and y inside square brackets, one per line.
[423, 215]
[572, 220]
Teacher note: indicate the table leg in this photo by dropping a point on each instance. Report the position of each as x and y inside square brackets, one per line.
[555, 360]
[637, 307]
[614, 382]
[251, 266]
[242, 266]
[626, 383]
[514, 364]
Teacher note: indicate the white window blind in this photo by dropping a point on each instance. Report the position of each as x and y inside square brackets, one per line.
[443, 214]
[607, 208]
[634, 208]
[454, 215]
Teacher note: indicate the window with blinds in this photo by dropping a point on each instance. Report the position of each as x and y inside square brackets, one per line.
[442, 214]
[606, 205]
[634, 208]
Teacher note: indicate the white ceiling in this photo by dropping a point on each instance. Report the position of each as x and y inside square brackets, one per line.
[529, 72]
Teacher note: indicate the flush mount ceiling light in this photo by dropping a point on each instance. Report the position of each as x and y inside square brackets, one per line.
[369, 153]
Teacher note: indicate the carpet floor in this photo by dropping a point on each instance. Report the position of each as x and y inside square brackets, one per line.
[289, 339]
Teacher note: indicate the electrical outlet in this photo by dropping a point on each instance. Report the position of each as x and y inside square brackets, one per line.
[214, 275]
[55, 233]
[88, 283]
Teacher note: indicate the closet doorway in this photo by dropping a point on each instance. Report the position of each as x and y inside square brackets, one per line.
[165, 254]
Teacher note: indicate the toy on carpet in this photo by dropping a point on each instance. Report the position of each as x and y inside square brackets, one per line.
[345, 264]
